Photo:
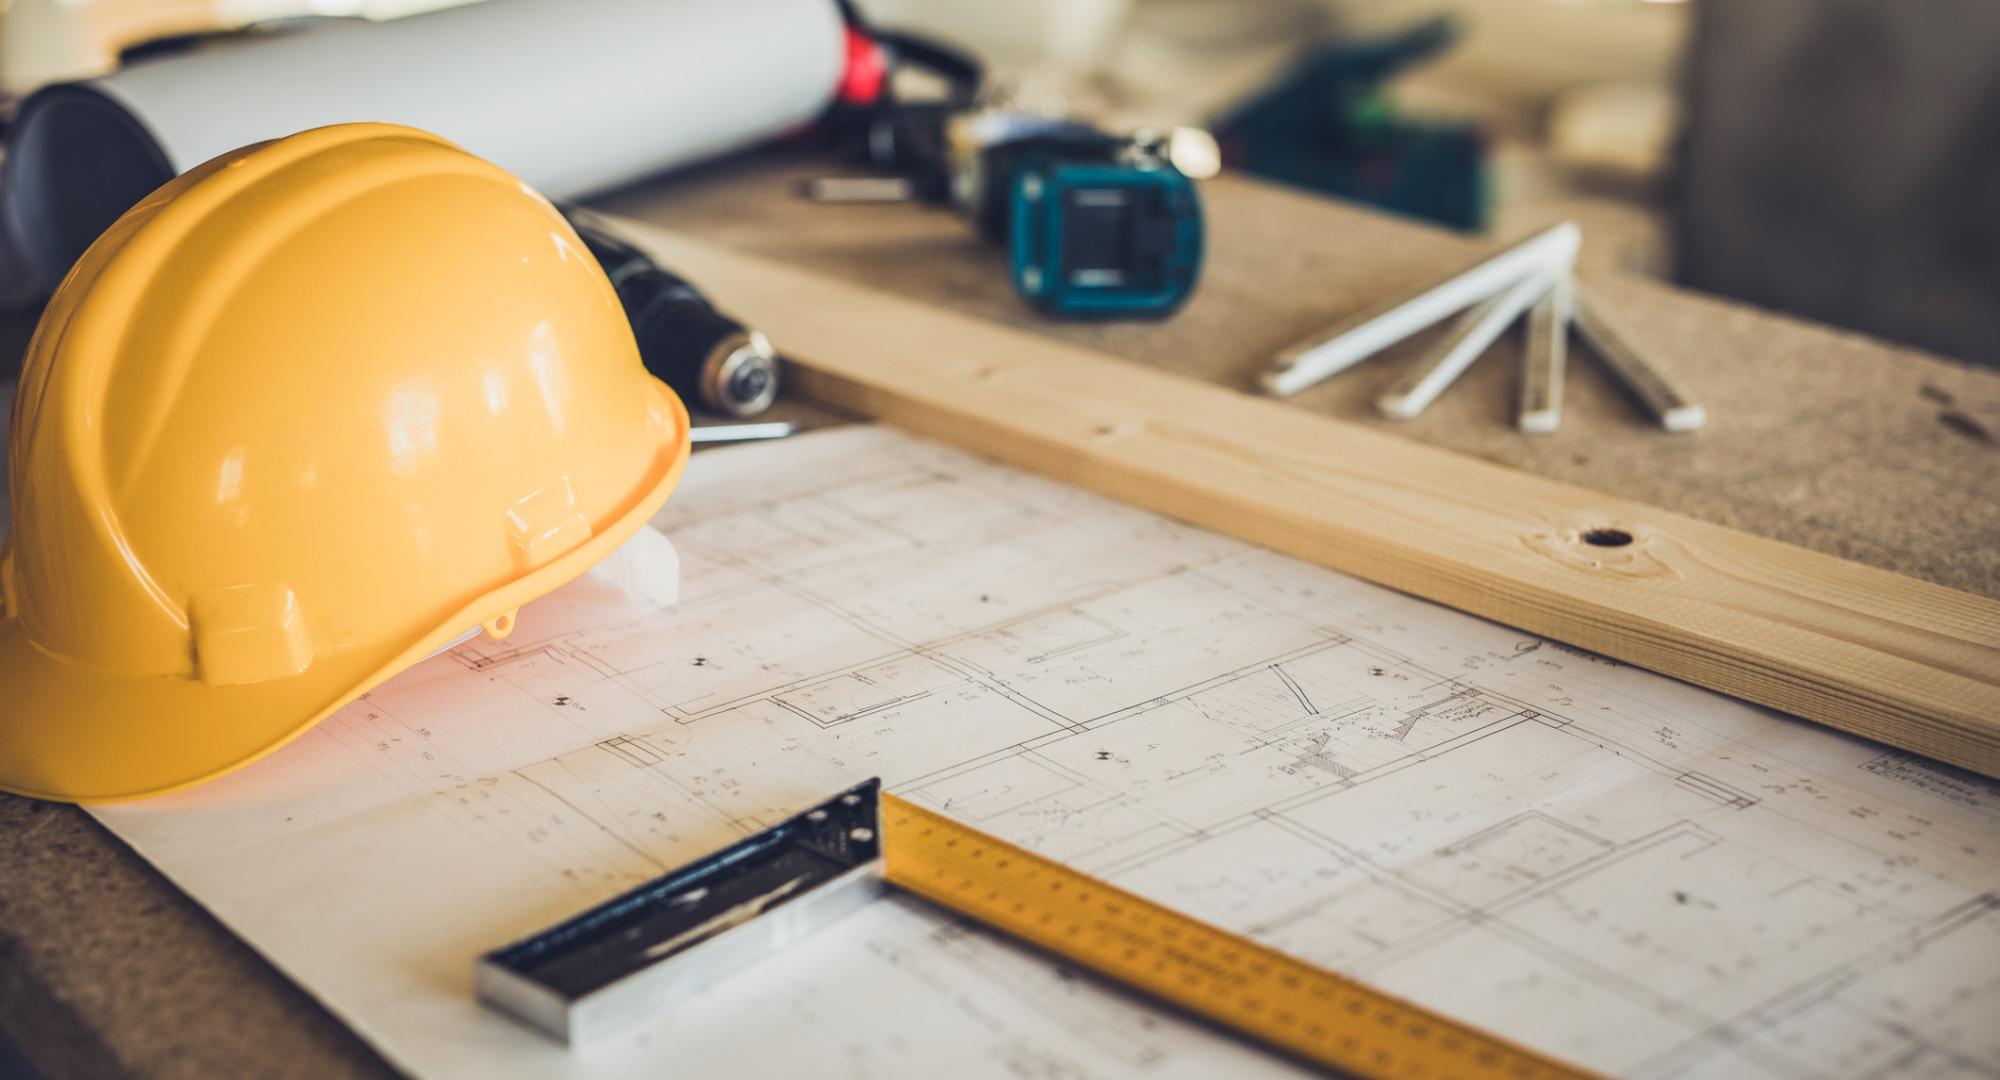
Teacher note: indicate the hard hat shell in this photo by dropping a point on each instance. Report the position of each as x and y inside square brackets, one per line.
[292, 424]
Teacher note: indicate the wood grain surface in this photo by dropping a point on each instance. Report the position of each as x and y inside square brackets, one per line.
[1863, 650]
[1826, 439]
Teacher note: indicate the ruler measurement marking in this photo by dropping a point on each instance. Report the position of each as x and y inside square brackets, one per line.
[1316, 1015]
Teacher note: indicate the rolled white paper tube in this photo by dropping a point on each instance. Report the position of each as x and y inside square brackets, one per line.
[572, 96]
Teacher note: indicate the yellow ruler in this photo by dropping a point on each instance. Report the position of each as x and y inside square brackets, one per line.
[1313, 1015]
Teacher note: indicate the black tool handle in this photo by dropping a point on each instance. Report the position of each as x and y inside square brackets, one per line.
[707, 357]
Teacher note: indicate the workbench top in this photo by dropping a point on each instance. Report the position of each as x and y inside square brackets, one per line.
[1824, 439]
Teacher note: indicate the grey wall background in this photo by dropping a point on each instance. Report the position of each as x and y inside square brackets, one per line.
[1842, 161]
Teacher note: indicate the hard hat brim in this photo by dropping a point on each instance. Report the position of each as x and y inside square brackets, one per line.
[76, 735]
[71, 733]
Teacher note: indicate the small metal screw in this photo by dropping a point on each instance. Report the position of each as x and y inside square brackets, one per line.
[1031, 186]
[850, 800]
[1031, 278]
[861, 834]
[816, 815]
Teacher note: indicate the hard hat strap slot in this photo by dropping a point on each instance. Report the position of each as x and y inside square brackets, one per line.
[546, 525]
[246, 634]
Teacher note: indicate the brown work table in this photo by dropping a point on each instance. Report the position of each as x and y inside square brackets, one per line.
[1824, 439]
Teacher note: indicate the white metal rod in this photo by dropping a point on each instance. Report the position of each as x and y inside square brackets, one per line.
[1654, 386]
[1476, 331]
[733, 433]
[1543, 358]
[1361, 336]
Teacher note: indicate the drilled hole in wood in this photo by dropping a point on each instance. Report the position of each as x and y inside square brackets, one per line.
[1607, 537]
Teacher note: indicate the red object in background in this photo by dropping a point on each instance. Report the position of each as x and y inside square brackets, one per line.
[867, 70]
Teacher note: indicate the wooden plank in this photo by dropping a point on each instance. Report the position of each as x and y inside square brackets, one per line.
[1863, 650]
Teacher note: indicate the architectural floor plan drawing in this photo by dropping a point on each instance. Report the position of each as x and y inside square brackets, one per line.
[1631, 873]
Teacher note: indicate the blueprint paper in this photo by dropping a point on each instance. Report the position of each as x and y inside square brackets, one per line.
[1631, 873]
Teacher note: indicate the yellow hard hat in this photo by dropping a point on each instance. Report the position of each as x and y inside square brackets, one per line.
[295, 422]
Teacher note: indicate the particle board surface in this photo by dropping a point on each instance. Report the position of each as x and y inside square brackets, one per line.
[1831, 441]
